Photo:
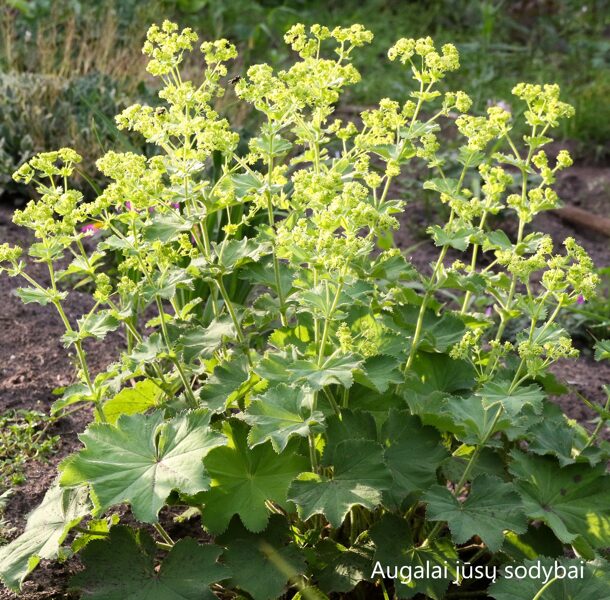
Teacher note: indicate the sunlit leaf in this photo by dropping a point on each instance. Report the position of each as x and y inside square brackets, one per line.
[46, 528]
[143, 458]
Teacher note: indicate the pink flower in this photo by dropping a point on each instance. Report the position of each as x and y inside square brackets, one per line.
[580, 299]
[488, 311]
[90, 228]
[175, 205]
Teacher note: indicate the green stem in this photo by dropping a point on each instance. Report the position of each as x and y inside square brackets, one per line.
[312, 453]
[422, 310]
[475, 455]
[384, 591]
[473, 264]
[332, 401]
[163, 533]
[511, 292]
[208, 253]
[86, 531]
[190, 395]
[516, 380]
[326, 329]
[598, 427]
[231, 309]
[271, 218]
[545, 587]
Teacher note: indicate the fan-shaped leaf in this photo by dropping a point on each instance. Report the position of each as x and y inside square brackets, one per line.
[360, 476]
[143, 458]
[123, 566]
[244, 479]
[491, 507]
[571, 500]
[279, 414]
[46, 528]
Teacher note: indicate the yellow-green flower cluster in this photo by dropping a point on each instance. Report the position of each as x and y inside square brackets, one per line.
[166, 46]
[138, 182]
[536, 200]
[571, 275]
[495, 182]
[538, 356]
[329, 236]
[219, 51]
[433, 65]
[59, 210]
[544, 107]
[464, 348]
[9, 254]
[480, 131]
[308, 45]
[49, 165]
[381, 125]
[313, 83]
[522, 266]
[458, 100]
[103, 288]
[541, 161]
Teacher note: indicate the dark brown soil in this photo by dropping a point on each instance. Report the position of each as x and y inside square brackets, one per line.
[33, 361]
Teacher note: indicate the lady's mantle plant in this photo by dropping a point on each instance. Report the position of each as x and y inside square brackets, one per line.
[325, 411]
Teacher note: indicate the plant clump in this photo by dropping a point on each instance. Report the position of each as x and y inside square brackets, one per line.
[331, 416]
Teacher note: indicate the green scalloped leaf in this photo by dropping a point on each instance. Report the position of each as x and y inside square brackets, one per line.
[123, 566]
[262, 563]
[279, 414]
[359, 478]
[395, 548]
[513, 401]
[285, 367]
[413, 453]
[47, 527]
[352, 425]
[223, 385]
[202, 342]
[143, 458]
[139, 398]
[245, 479]
[491, 507]
[379, 372]
[339, 569]
[573, 500]
[602, 350]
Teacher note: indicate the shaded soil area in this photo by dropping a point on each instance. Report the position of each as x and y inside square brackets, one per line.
[33, 361]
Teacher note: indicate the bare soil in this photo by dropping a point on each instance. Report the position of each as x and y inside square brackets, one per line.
[33, 361]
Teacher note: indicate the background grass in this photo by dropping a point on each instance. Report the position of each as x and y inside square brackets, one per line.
[68, 66]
